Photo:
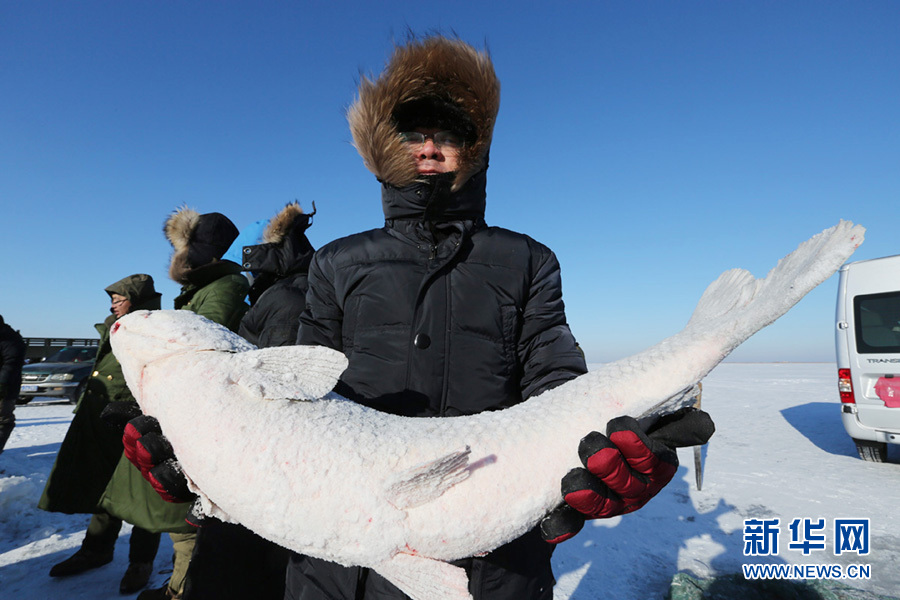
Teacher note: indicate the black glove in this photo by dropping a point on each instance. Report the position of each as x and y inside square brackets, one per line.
[624, 469]
[117, 414]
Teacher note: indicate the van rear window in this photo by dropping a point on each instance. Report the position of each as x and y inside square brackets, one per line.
[877, 319]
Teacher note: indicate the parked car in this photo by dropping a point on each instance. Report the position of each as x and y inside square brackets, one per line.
[867, 343]
[63, 374]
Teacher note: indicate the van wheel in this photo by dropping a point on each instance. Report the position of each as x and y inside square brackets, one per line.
[871, 451]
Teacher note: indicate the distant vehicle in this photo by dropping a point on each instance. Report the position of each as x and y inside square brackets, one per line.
[867, 342]
[63, 374]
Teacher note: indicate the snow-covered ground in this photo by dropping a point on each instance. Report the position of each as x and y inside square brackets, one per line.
[779, 452]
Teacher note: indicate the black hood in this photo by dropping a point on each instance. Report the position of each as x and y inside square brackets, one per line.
[286, 250]
[278, 258]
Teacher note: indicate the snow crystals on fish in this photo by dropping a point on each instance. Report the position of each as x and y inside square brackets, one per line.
[402, 495]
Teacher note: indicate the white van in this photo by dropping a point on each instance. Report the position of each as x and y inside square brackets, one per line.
[867, 340]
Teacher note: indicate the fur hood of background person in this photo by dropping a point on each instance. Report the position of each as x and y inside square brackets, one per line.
[198, 240]
[446, 79]
[284, 250]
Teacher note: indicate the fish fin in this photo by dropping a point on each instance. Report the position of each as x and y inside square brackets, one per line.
[425, 578]
[292, 372]
[427, 481]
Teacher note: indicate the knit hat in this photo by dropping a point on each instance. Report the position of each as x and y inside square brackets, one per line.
[210, 239]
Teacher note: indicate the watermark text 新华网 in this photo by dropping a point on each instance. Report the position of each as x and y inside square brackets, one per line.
[848, 536]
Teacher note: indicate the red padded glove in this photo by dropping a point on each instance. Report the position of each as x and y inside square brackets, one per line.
[624, 469]
[149, 450]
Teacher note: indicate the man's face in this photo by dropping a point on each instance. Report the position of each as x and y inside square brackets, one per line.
[431, 158]
[120, 306]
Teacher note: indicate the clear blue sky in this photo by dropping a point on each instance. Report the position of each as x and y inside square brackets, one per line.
[651, 144]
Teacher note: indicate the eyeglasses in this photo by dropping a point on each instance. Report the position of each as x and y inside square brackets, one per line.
[118, 302]
[446, 139]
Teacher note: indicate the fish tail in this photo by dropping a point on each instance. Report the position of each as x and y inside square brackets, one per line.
[739, 302]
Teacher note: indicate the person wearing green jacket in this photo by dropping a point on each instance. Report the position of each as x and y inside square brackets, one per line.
[215, 289]
[91, 449]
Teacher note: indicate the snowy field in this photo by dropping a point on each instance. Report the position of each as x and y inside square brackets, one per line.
[779, 452]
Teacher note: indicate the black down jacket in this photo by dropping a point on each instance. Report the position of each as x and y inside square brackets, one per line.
[440, 314]
[442, 317]
[278, 292]
[12, 357]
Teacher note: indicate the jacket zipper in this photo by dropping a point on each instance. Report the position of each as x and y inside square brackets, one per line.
[430, 272]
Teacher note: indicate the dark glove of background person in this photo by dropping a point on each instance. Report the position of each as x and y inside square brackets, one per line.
[624, 469]
[148, 449]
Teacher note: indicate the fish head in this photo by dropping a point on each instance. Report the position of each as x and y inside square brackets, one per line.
[144, 336]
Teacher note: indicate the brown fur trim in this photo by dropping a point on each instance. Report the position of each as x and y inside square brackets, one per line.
[180, 225]
[280, 225]
[178, 229]
[179, 267]
[436, 66]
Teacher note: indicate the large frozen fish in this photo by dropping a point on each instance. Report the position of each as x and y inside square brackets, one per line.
[265, 442]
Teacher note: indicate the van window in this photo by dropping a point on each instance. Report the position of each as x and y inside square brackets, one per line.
[877, 319]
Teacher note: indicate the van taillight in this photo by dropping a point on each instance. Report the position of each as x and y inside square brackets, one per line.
[845, 386]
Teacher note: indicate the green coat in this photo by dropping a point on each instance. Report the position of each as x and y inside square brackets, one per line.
[91, 449]
[217, 292]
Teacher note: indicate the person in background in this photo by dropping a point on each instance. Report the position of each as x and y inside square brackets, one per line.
[90, 451]
[279, 267]
[213, 288]
[230, 562]
[12, 357]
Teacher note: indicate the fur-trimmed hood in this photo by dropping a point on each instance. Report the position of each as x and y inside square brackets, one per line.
[285, 248]
[279, 268]
[285, 222]
[197, 240]
[435, 67]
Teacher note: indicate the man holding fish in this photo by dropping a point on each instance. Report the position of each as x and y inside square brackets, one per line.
[440, 314]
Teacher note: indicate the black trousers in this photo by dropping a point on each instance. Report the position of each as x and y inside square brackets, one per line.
[7, 418]
[520, 570]
[230, 562]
